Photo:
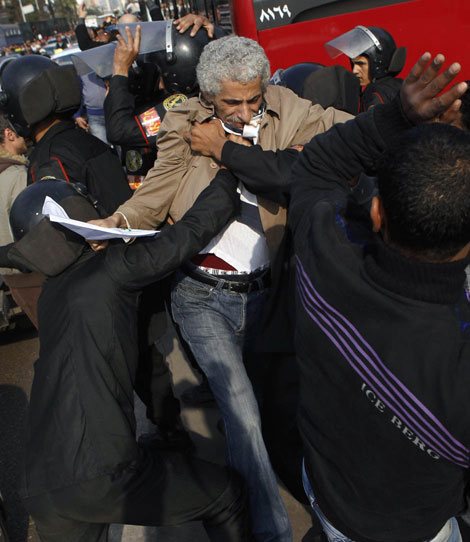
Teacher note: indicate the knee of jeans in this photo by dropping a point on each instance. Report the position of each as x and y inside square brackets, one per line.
[245, 429]
[243, 401]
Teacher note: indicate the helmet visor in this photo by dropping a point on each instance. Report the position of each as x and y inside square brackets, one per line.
[353, 43]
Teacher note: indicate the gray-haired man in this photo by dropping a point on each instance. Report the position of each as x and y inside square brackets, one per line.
[218, 297]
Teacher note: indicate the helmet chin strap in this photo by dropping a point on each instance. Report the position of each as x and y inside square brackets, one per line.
[250, 130]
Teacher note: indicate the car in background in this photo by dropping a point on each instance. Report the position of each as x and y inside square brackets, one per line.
[63, 57]
[53, 46]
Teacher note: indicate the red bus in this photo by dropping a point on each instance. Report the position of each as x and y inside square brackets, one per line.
[293, 31]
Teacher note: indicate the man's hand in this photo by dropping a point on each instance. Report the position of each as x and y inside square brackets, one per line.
[420, 90]
[196, 21]
[126, 52]
[239, 140]
[81, 123]
[113, 221]
[82, 11]
[207, 138]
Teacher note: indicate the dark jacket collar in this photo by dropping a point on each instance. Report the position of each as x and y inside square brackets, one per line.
[57, 129]
[429, 282]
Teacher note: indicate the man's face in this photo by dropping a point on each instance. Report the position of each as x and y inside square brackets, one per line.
[360, 68]
[102, 36]
[20, 145]
[238, 103]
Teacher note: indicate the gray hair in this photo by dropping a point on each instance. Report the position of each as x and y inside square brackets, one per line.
[231, 59]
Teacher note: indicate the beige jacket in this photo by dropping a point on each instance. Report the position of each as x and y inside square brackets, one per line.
[12, 182]
[179, 175]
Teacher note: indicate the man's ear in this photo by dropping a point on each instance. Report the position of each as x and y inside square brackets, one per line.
[9, 134]
[206, 100]
[377, 214]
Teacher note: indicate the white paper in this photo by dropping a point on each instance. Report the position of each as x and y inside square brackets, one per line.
[51, 207]
[57, 214]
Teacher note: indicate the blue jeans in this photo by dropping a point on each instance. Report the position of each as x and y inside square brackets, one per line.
[449, 533]
[218, 326]
[97, 127]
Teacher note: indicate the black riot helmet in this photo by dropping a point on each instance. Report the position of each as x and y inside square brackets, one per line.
[4, 63]
[178, 62]
[165, 53]
[34, 87]
[381, 54]
[331, 86]
[26, 211]
[41, 245]
[374, 43]
[294, 76]
[144, 77]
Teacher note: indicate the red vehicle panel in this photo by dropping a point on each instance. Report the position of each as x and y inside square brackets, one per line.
[294, 31]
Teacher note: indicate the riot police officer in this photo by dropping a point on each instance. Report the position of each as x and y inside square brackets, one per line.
[375, 60]
[83, 468]
[40, 97]
[144, 87]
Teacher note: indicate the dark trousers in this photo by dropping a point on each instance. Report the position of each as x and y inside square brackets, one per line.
[153, 379]
[166, 489]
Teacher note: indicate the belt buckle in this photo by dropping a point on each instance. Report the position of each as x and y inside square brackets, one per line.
[232, 287]
[229, 286]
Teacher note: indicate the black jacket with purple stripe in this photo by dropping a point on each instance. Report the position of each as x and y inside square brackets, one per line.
[383, 345]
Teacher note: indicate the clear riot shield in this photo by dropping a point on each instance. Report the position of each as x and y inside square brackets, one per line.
[99, 60]
[155, 36]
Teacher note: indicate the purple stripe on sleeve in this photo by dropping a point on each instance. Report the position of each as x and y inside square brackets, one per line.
[382, 365]
[367, 376]
[308, 299]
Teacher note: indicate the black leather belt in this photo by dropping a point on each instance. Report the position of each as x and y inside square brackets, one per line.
[253, 283]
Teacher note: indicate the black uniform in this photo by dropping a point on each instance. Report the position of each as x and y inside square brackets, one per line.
[67, 153]
[84, 469]
[135, 128]
[380, 92]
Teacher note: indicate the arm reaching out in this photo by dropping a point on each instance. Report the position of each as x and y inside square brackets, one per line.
[420, 93]
[331, 159]
[149, 260]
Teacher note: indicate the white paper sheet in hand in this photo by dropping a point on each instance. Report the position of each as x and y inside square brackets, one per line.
[56, 213]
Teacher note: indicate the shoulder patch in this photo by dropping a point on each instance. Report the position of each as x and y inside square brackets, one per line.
[174, 101]
[150, 121]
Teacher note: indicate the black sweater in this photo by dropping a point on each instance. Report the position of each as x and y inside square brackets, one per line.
[383, 348]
